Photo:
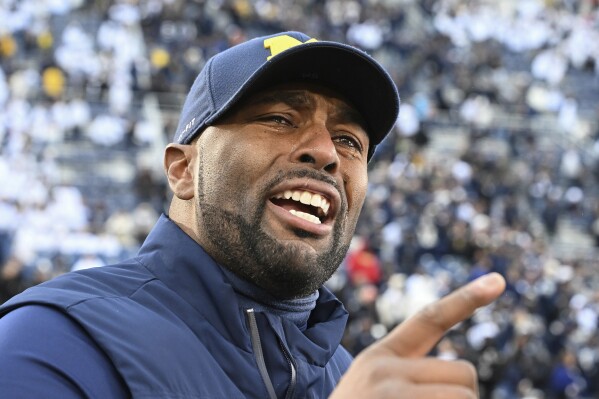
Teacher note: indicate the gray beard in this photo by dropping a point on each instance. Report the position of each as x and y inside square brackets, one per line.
[282, 269]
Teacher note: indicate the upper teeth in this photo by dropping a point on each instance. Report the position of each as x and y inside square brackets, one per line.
[308, 198]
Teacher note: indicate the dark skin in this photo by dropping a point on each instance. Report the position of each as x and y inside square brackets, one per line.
[279, 140]
[229, 195]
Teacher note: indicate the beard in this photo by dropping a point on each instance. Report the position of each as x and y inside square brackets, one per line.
[284, 269]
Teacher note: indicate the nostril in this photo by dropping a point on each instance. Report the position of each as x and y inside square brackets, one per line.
[306, 158]
[330, 167]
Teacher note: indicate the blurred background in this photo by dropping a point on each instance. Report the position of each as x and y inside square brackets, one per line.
[493, 164]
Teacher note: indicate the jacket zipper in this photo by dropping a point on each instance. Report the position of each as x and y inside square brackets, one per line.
[255, 337]
[259, 355]
[293, 379]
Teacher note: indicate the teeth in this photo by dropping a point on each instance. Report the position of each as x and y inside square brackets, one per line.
[305, 216]
[305, 198]
[308, 198]
[315, 201]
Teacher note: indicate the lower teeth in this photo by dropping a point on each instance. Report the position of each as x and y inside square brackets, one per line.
[305, 216]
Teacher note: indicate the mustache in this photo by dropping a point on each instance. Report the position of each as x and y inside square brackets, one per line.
[309, 173]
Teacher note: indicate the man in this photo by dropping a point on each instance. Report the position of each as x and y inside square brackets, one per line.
[225, 298]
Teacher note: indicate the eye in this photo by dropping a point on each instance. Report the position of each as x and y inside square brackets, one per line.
[277, 119]
[349, 142]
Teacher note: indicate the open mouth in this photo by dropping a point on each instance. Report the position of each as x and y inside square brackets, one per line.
[304, 204]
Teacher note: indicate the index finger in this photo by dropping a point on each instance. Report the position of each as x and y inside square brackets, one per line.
[416, 336]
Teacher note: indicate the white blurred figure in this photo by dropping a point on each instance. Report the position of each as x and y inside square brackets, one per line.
[392, 238]
[4, 90]
[367, 35]
[391, 304]
[550, 66]
[568, 115]
[408, 122]
[68, 209]
[76, 54]
[80, 114]
[107, 130]
[420, 290]
[87, 261]
[571, 164]
[477, 110]
[462, 172]
[484, 328]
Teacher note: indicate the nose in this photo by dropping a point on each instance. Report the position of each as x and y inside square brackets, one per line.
[317, 148]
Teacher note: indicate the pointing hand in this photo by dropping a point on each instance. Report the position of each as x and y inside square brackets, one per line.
[397, 366]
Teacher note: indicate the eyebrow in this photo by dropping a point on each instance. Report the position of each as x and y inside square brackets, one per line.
[300, 99]
[292, 98]
[347, 114]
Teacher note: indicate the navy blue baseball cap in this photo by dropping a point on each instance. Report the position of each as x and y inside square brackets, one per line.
[290, 57]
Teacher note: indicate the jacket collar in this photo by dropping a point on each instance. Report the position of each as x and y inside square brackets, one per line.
[183, 266]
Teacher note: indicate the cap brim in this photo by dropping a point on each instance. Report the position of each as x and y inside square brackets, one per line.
[345, 69]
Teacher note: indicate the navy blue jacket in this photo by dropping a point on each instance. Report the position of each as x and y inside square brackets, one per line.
[169, 322]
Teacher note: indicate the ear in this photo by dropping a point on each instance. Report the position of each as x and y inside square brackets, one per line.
[178, 166]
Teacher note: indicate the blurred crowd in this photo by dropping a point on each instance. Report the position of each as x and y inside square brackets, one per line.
[492, 166]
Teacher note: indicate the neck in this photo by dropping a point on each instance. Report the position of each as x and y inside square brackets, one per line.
[251, 296]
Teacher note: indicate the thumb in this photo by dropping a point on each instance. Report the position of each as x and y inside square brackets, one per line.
[416, 336]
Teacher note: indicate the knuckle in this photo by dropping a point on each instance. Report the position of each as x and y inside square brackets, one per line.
[384, 370]
[379, 371]
[432, 314]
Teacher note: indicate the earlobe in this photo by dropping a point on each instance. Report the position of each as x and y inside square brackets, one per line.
[178, 166]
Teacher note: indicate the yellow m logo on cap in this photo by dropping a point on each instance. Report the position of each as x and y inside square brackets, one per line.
[278, 44]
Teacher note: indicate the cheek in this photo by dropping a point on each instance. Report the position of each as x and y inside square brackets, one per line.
[356, 192]
[228, 171]
[217, 174]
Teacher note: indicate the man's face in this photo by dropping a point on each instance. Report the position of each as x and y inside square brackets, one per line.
[280, 184]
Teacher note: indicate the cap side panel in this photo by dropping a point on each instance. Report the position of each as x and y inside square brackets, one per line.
[197, 108]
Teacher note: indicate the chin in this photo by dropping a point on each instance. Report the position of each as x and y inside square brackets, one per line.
[298, 273]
